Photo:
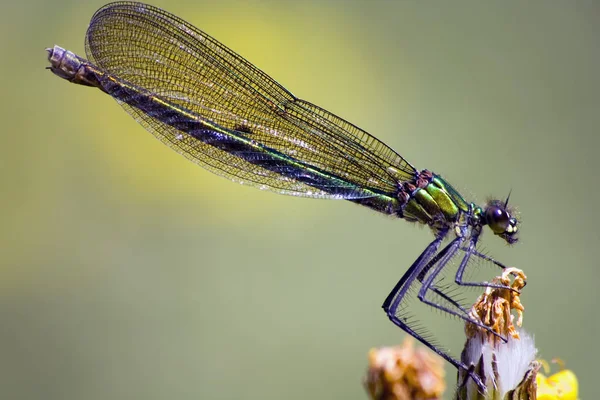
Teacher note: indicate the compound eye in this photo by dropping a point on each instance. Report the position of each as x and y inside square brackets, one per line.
[497, 219]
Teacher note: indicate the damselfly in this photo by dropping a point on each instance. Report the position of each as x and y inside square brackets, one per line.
[218, 110]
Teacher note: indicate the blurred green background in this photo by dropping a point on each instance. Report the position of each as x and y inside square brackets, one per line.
[130, 273]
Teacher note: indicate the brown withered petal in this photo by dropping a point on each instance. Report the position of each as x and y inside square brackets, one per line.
[404, 373]
[494, 306]
[508, 368]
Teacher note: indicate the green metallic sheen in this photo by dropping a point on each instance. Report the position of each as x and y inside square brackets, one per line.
[443, 200]
[437, 199]
[428, 203]
[381, 203]
[478, 213]
[457, 199]
[414, 212]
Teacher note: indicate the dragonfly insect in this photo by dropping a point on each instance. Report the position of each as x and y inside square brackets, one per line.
[211, 105]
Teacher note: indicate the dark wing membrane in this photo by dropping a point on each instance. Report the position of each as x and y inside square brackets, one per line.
[170, 59]
[229, 153]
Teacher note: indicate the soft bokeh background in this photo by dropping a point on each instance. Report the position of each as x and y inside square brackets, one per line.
[128, 272]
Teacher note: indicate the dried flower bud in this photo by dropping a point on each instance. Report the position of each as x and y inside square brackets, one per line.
[508, 368]
[404, 373]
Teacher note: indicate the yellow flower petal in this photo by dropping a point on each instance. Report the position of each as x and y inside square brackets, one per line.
[560, 386]
[565, 383]
[544, 390]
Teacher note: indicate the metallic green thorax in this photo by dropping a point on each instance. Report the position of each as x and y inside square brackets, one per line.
[438, 200]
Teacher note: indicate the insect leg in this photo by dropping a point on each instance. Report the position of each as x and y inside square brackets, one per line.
[463, 265]
[418, 270]
[428, 283]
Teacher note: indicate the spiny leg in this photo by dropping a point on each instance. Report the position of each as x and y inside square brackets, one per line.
[495, 262]
[447, 297]
[463, 265]
[486, 258]
[437, 290]
[414, 270]
[394, 299]
[442, 258]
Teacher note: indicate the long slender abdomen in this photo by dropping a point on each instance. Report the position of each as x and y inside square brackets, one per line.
[75, 69]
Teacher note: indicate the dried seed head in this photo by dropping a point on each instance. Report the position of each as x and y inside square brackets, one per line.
[404, 373]
[494, 306]
[507, 367]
